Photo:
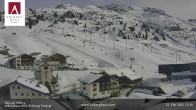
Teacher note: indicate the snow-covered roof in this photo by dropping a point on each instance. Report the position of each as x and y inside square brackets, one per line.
[191, 95]
[90, 78]
[137, 95]
[6, 82]
[27, 83]
[174, 86]
[125, 72]
[144, 91]
[159, 76]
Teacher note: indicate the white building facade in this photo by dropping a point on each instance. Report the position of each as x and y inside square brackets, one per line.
[21, 92]
[95, 86]
[21, 88]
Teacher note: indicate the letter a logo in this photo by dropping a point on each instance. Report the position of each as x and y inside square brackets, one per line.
[14, 8]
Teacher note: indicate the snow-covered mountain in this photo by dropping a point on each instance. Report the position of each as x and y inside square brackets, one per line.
[105, 37]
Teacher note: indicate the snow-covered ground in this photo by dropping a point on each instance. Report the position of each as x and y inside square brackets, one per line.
[8, 74]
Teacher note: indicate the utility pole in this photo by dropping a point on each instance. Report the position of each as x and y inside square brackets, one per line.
[84, 41]
[104, 33]
[126, 43]
[194, 39]
[113, 42]
[179, 56]
[73, 30]
[142, 45]
[132, 59]
[90, 36]
[176, 57]
[104, 37]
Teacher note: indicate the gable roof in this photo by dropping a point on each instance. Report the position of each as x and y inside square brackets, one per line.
[90, 78]
[125, 72]
[23, 56]
[27, 56]
[27, 83]
[57, 56]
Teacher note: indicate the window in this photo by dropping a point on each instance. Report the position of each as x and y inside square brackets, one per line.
[16, 94]
[84, 83]
[94, 84]
[94, 94]
[95, 89]
[45, 68]
[18, 60]
[18, 87]
[33, 94]
[22, 94]
[39, 94]
[86, 93]
[84, 88]
[13, 87]
[18, 64]
[103, 92]
[27, 94]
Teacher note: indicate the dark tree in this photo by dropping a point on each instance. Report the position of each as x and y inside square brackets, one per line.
[81, 16]
[114, 29]
[132, 29]
[146, 36]
[85, 25]
[124, 27]
[30, 23]
[69, 14]
[48, 86]
[55, 15]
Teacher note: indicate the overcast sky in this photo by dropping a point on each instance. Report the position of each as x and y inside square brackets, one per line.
[178, 8]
